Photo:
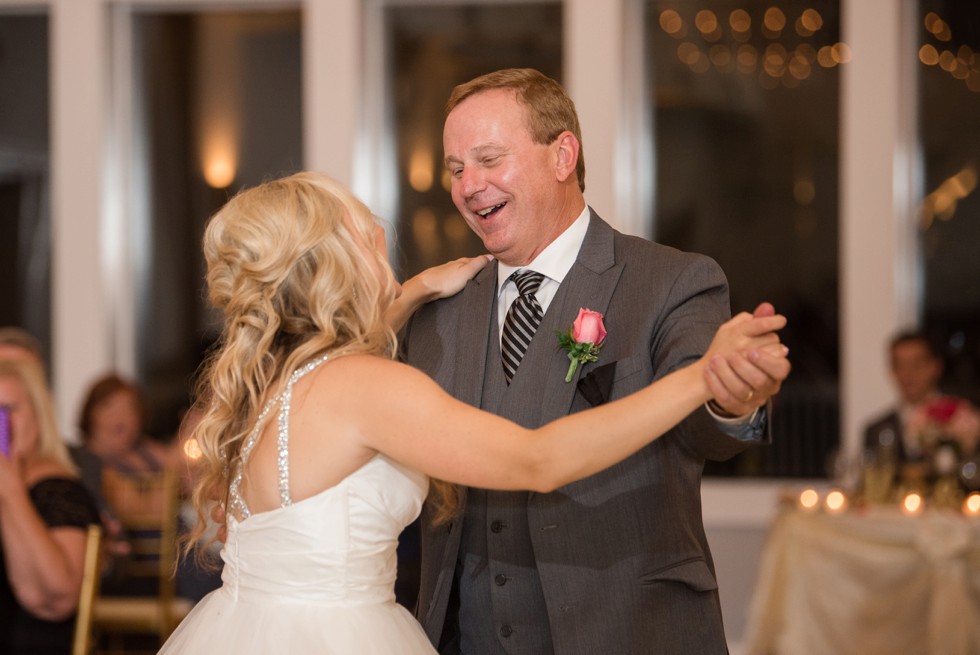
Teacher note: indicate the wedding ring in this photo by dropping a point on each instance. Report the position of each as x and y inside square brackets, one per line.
[749, 397]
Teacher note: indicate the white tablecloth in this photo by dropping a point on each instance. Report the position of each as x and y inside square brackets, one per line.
[868, 582]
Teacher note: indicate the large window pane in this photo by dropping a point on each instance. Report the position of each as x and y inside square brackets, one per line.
[220, 109]
[745, 113]
[949, 99]
[432, 49]
[25, 242]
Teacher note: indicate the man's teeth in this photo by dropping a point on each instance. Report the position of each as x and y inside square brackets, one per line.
[486, 212]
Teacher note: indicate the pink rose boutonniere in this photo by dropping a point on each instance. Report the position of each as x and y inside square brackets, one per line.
[584, 340]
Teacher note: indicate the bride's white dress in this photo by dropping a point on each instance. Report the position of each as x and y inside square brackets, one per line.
[314, 576]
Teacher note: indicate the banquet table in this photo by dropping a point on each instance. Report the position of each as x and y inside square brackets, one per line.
[868, 581]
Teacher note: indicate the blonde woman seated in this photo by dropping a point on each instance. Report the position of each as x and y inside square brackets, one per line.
[44, 511]
[325, 445]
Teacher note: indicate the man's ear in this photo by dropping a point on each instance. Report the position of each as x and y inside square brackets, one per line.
[566, 155]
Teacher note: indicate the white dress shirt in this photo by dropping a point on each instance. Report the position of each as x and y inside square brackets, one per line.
[553, 262]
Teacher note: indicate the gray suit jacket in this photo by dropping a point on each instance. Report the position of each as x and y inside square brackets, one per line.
[622, 555]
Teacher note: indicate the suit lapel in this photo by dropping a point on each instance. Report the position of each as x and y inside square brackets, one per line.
[474, 322]
[590, 283]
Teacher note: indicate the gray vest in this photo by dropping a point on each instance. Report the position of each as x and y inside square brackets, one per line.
[502, 604]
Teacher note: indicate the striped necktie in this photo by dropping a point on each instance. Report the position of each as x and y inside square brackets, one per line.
[521, 321]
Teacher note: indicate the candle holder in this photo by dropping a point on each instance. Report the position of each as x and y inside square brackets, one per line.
[946, 493]
[878, 482]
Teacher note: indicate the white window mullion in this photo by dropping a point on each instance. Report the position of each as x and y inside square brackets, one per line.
[599, 37]
[82, 331]
[332, 86]
[878, 194]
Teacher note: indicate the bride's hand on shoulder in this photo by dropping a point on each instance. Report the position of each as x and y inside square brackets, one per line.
[446, 279]
[432, 284]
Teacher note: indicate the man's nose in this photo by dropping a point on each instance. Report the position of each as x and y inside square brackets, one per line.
[471, 181]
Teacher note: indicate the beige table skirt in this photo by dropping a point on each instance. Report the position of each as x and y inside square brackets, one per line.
[867, 582]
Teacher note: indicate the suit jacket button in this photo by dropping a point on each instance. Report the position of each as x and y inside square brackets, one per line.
[501, 579]
[497, 527]
[506, 631]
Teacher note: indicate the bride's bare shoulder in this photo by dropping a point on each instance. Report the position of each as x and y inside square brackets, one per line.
[357, 368]
[359, 379]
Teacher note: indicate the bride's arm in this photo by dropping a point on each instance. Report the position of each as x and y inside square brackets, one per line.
[394, 409]
[431, 284]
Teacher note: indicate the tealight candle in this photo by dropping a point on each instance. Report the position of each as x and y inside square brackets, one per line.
[971, 506]
[912, 504]
[836, 501]
[809, 499]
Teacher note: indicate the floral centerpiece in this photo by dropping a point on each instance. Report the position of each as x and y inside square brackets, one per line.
[947, 430]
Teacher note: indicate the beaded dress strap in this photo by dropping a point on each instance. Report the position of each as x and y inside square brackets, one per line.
[238, 506]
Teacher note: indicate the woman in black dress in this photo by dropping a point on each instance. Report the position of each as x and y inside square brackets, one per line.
[44, 511]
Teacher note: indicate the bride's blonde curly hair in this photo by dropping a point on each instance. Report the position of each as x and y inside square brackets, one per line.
[292, 265]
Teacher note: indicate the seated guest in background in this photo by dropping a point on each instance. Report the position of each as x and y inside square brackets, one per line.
[44, 511]
[19, 345]
[111, 425]
[916, 368]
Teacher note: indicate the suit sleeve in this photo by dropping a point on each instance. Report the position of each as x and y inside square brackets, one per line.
[697, 304]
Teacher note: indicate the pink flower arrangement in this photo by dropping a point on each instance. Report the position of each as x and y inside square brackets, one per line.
[584, 340]
[946, 420]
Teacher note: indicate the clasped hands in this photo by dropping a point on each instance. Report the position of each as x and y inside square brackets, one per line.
[744, 381]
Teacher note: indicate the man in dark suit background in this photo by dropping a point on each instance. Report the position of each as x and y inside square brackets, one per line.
[916, 369]
[617, 563]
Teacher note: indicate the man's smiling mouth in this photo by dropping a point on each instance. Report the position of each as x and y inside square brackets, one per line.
[486, 213]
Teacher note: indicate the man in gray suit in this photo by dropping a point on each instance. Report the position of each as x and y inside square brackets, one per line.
[617, 563]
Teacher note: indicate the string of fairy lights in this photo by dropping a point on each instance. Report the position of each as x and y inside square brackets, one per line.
[778, 46]
[962, 62]
[784, 50]
[780, 49]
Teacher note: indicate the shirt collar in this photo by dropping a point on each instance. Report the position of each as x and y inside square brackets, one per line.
[557, 258]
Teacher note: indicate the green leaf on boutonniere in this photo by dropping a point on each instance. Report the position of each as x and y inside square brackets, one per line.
[578, 353]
